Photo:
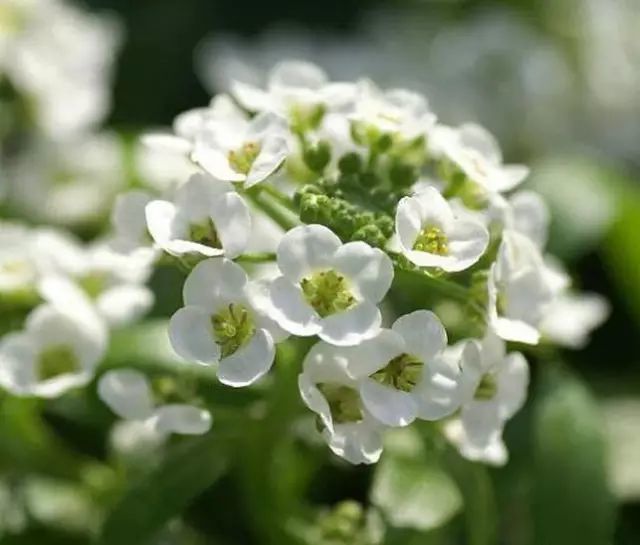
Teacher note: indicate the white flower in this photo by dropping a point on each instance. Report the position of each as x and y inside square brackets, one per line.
[529, 215]
[518, 289]
[394, 112]
[128, 393]
[402, 373]
[129, 223]
[571, 317]
[55, 352]
[222, 321]
[328, 288]
[71, 182]
[242, 151]
[430, 235]
[493, 453]
[493, 387]
[327, 389]
[18, 271]
[291, 86]
[475, 151]
[60, 58]
[112, 283]
[208, 217]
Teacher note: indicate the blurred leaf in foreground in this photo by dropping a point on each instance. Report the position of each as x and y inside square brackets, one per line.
[572, 502]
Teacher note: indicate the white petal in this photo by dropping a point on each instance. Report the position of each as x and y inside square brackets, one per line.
[191, 335]
[183, 419]
[294, 73]
[128, 216]
[508, 177]
[369, 269]
[530, 216]
[306, 249]
[434, 208]
[352, 326]
[513, 381]
[124, 304]
[478, 138]
[408, 222]
[127, 393]
[272, 154]
[423, 334]
[290, 310]
[371, 355]
[213, 282]
[250, 97]
[481, 421]
[468, 240]
[215, 161]
[17, 363]
[249, 363]
[161, 219]
[167, 143]
[314, 399]
[357, 443]
[231, 216]
[438, 394]
[390, 406]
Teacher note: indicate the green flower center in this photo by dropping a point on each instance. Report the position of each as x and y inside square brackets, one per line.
[56, 360]
[241, 160]
[402, 373]
[327, 292]
[432, 240]
[93, 284]
[344, 402]
[305, 117]
[205, 233]
[487, 388]
[233, 327]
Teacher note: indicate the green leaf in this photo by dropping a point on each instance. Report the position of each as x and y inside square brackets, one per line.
[189, 469]
[571, 499]
[411, 488]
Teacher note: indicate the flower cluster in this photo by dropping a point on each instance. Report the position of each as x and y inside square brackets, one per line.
[385, 216]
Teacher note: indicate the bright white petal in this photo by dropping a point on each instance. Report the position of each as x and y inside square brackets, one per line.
[306, 249]
[423, 334]
[390, 406]
[161, 219]
[127, 393]
[290, 310]
[468, 240]
[183, 419]
[249, 363]
[124, 304]
[408, 222]
[369, 269]
[513, 381]
[371, 355]
[17, 363]
[191, 335]
[231, 216]
[272, 154]
[481, 421]
[299, 74]
[351, 326]
[214, 281]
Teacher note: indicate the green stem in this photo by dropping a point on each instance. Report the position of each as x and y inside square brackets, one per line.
[257, 257]
[446, 288]
[282, 217]
[279, 197]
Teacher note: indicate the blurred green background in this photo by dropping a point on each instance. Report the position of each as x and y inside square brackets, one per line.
[558, 81]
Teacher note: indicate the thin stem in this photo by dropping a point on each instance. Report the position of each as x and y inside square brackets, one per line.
[282, 217]
[279, 197]
[446, 288]
[257, 257]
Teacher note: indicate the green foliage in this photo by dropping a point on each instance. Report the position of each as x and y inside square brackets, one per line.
[188, 469]
[571, 499]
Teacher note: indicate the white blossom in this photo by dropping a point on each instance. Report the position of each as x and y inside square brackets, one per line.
[207, 217]
[55, 352]
[518, 290]
[328, 390]
[493, 387]
[129, 394]
[327, 288]
[473, 150]
[402, 373]
[223, 322]
[431, 235]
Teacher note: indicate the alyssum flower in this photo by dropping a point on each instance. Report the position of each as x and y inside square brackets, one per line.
[223, 322]
[327, 288]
